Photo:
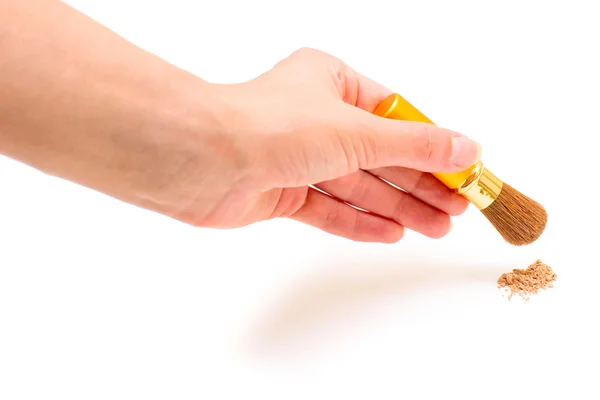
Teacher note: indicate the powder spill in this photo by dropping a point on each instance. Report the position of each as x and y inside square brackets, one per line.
[526, 282]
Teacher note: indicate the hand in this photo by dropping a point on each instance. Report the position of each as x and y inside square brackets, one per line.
[120, 120]
[307, 122]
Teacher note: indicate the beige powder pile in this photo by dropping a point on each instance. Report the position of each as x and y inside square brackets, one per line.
[526, 282]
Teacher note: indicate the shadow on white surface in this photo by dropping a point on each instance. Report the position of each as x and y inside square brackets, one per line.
[338, 301]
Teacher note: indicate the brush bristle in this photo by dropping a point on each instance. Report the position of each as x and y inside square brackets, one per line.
[519, 219]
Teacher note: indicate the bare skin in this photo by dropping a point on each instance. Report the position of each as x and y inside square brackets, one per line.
[79, 102]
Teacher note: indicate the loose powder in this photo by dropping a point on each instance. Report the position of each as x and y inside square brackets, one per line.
[526, 282]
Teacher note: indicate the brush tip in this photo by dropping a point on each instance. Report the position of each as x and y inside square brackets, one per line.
[519, 219]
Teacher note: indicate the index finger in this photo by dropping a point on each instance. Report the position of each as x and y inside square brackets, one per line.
[360, 90]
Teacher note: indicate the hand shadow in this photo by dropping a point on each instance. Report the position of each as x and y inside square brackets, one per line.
[349, 291]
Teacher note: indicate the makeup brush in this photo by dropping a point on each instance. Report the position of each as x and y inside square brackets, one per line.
[519, 219]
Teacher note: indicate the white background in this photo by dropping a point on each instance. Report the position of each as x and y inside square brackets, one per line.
[100, 300]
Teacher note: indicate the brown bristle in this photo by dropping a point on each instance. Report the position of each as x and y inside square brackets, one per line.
[519, 219]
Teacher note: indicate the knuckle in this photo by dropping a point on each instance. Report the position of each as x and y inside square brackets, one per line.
[354, 228]
[315, 55]
[332, 216]
[305, 52]
[348, 151]
[419, 183]
[359, 191]
[367, 151]
[431, 144]
[365, 145]
[424, 143]
[400, 208]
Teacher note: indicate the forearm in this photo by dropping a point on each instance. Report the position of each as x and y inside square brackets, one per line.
[80, 102]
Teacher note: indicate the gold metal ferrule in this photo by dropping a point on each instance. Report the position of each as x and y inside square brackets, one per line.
[481, 187]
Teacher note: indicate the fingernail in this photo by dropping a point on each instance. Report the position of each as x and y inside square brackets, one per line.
[465, 152]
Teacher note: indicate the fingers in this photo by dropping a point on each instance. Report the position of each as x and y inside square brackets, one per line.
[353, 87]
[382, 142]
[368, 192]
[370, 93]
[409, 144]
[425, 187]
[351, 137]
[360, 91]
[335, 217]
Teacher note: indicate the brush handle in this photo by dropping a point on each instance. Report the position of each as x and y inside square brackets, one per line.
[396, 107]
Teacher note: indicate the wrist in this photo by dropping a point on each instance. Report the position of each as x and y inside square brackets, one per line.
[149, 142]
[191, 148]
[81, 103]
[179, 148]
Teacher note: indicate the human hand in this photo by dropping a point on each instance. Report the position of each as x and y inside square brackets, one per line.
[308, 122]
[120, 120]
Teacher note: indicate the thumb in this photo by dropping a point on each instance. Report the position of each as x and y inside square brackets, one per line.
[383, 142]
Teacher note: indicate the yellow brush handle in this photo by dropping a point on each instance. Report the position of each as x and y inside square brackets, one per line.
[396, 107]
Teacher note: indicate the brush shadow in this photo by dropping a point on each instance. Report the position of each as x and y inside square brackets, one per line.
[346, 292]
